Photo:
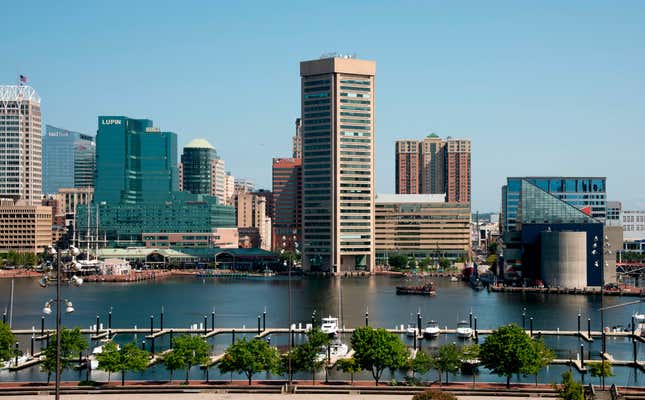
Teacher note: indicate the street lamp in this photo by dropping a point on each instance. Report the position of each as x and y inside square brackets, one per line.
[57, 278]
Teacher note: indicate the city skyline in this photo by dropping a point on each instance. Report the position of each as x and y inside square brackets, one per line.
[573, 90]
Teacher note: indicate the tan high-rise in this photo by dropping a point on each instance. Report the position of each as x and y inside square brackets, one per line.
[338, 164]
[20, 144]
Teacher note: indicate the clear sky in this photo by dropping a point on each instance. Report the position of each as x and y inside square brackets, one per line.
[546, 88]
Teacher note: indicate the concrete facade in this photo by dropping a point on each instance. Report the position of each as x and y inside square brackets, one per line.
[24, 228]
[564, 259]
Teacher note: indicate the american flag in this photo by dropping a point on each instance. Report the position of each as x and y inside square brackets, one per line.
[23, 79]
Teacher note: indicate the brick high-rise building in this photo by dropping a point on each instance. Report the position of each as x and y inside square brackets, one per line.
[457, 170]
[287, 203]
[433, 174]
[408, 166]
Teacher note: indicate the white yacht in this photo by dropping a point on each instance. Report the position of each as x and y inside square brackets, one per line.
[639, 318]
[411, 330]
[337, 349]
[432, 330]
[464, 331]
[329, 325]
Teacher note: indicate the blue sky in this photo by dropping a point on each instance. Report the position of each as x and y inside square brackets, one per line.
[546, 88]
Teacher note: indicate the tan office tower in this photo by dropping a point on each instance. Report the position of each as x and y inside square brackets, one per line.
[20, 144]
[457, 170]
[296, 141]
[337, 110]
[407, 166]
[433, 179]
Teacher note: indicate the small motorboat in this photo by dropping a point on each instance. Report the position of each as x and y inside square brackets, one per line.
[639, 318]
[337, 349]
[432, 330]
[464, 331]
[411, 330]
[329, 326]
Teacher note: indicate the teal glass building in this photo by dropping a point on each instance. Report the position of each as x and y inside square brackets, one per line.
[68, 159]
[135, 162]
[197, 160]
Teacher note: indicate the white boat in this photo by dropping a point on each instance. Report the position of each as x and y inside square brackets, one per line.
[329, 325]
[94, 362]
[411, 330]
[639, 318]
[337, 349]
[454, 279]
[432, 330]
[12, 362]
[464, 331]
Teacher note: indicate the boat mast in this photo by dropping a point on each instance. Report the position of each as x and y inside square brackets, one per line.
[87, 233]
[96, 245]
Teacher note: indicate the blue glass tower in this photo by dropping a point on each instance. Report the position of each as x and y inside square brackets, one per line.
[68, 159]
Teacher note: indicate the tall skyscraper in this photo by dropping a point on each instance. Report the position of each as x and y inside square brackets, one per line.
[69, 159]
[408, 166]
[296, 145]
[196, 166]
[337, 109]
[20, 144]
[434, 166]
[250, 210]
[287, 203]
[135, 162]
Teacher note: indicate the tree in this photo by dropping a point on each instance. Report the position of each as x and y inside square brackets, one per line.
[447, 359]
[570, 389]
[193, 350]
[109, 359]
[7, 341]
[597, 371]
[469, 358]
[421, 363]
[425, 262]
[378, 349]
[132, 358]
[507, 351]
[306, 356]
[348, 366]
[397, 261]
[71, 343]
[444, 263]
[173, 361]
[249, 357]
[541, 357]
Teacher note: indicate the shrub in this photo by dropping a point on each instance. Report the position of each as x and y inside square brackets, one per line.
[434, 395]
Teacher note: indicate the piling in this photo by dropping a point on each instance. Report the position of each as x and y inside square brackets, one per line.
[264, 321]
[212, 320]
[258, 324]
[589, 328]
[531, 325]
[233, 337]
[367, 319]
[143, 345]
[42, 325]
[161, 320]
[152, 328]
[578, 324]
[98, 320]
[109, 322]
[205, 324]
[418, 322]
[476, 334]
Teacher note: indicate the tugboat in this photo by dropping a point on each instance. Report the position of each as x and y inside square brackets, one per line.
[427, 289]
[432, 330]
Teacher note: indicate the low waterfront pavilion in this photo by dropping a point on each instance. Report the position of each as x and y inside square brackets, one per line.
[148, 256]
[246, 259]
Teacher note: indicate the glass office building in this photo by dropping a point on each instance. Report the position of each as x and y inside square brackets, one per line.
[587, 194]
[69, 159]
[135, 162]
[197, 160]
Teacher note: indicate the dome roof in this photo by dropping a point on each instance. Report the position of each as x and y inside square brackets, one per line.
[199, 144]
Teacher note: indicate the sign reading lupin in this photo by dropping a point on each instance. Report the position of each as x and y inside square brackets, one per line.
[110, 122]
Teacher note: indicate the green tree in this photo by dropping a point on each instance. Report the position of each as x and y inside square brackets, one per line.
[249, 357]
[173, 361]
[109, 359]
[444, 263]
[378, 349]
[597, 371]
[469, 358]
[508, 350]
[193, 350]
[541, 357]
[397, 261]
[132, 358]
[348, 366]
[421, 363]
[447, 359]
[425, 262]
[71, 344]
[7, 341]
[306, 356]
[569, 388]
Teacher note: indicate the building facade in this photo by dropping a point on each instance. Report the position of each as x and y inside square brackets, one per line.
[250, 210]
[287, 203]
[457, 170]
[69, 159]
[197, 167]
[296, 141]
[24, 228]
[20, 144]
[587, 194]
[337, 109]
[135, 162]
[421, 226]
[408, 168]
[229, 189]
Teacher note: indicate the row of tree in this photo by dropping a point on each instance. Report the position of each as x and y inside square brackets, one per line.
[400, 261]
[20, 259]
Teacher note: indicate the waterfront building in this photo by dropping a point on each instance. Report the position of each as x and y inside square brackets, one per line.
[337, 109]
[296, 141]
[69, 159]
[250, 210]
[556, 241]
[135, 162]
[287, 203]
[21, 144]
[202, 171]
[140, 224]
[421, 226]
[588, 194]
[434, 166]
[24, 227]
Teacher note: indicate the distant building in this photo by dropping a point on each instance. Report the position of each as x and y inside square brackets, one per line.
[287, 203]
[202, 171]
[337, 109]
[296, 142]
[24, 228]
[135, 162]
[245, 185]
[21, 151]
[614, 212]
[588, 194]
[434, 166]
[250, 211]
[71, 198]
[268, 197]
[229, 188]
[421, 226]
[69, 159]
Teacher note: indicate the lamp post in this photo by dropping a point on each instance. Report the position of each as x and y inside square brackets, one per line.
[45, 279]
